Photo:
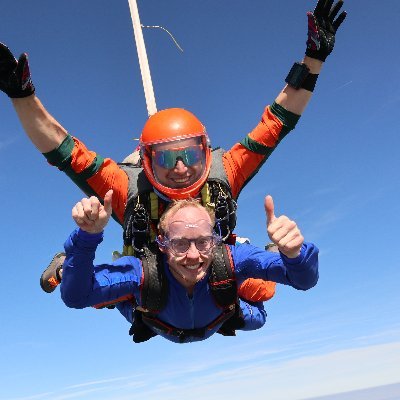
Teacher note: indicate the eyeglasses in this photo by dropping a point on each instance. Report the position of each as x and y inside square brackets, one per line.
[203, 244]
[169, 157]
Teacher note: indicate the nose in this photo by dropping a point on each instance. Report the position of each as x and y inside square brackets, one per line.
[192, 253]
[180, 167]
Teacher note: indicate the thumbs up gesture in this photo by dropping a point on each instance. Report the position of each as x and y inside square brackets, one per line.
[283, 231]
[92, 216]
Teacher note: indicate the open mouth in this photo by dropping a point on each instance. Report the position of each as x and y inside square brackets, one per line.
[194, 267]
[186, 179]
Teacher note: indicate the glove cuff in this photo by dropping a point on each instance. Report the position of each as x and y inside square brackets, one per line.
[317, 55]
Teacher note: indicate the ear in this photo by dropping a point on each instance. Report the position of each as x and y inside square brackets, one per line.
[161, 245]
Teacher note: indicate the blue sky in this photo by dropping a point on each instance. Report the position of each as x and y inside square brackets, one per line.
[336, 175]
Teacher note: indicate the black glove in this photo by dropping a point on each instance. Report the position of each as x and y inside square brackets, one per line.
[15, 78]
[322, 28]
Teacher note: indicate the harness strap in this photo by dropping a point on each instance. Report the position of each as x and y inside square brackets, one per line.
[154, 206]
[136, 228]
[205, 195]
[154, 288]
[222, 277]
[151, 320]
[139, 331]
[229, 327]
[224, 207]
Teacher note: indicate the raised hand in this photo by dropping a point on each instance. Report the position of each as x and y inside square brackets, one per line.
[90, 215]
[15, 77]
[283, 231]
[322, 27]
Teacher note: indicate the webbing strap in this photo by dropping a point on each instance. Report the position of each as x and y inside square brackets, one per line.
[205, 195]
[154, 206]
[222, 278]
[152, 321]
[154, 288]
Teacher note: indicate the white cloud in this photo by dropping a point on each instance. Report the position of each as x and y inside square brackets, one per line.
[244, 375]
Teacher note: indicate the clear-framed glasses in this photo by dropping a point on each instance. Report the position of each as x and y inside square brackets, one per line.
[180, 246]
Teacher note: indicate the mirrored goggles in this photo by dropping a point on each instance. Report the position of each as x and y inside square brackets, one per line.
[168, 158]
[181, 246]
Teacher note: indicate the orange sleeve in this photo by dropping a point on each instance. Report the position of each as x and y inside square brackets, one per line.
[110, 176]
[93, 174]
[244, 159]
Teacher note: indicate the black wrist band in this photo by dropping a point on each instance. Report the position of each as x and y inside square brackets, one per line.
[299, 77]
[309, 82]
[297, 74]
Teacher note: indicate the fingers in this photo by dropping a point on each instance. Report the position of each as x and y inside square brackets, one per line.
[319, 8]
[339, 20]
[336, 8]
[23, 66]
[327, 8]
[5, 52]
[283, 230]
[108, 202]
[7, 61]
[292, 249]
[286, 235]
[269, 209]
[86, 211]
[79, 216]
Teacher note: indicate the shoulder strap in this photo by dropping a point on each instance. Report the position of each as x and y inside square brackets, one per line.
[220, 196]
[217, 170]
[154, 290]
[222, 277]
[138, 182]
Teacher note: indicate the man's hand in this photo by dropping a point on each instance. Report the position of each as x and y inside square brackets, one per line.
[90, 215]
[282, 231]
[322, 28]
[15, 77]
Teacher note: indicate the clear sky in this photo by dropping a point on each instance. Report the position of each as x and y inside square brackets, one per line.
[337, 175]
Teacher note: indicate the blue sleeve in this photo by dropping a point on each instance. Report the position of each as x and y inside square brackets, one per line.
[126, 309]
[254, 315]
[300, 272]
[84, 284]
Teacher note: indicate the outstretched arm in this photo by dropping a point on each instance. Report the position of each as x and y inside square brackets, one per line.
[42, 129]
[244, 159]
[87, 169]
[15, 80]
[84, 285]
[297, 264]
[322, 26]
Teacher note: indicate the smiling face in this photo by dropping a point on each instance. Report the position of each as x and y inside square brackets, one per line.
[190, 223]
[178, 164]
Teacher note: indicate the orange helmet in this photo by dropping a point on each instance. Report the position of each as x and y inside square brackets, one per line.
[172, 126]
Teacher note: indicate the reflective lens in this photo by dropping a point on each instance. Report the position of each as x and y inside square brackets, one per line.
[168, 158]
[181, 246]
